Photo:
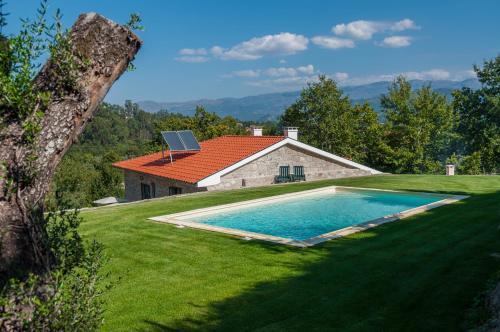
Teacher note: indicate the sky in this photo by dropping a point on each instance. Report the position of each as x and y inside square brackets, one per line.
[213, 49]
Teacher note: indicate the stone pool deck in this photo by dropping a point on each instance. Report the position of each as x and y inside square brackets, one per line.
[182, 219]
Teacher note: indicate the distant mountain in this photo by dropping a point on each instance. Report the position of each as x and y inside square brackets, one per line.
[271, 105]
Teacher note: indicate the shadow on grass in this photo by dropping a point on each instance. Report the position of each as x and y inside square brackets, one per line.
[421, 273]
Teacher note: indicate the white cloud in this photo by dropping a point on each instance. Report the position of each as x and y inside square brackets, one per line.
[425, 75]
[273, 72]
[193, 51]
[308, 70]
[357, 29]
[340, 76]
[245, 73]
[278, 78]
[289, 71]
[464, 74]
[284, 43]
[395, 41]
[405, 24]
[431, 75]
[282, 71]
[282, 61]
[192, 58]
[283, 83]
[333, 42]
[365, 30]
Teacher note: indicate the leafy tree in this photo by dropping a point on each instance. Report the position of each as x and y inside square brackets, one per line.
[369, 133]
[478, 112]
[329, 121]
[207, 125]
[109, 180]
[418, 128]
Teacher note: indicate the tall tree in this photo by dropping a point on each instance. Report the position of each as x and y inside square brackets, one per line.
[418, 128]
[40, 119]
[479, 116]
[328, 121]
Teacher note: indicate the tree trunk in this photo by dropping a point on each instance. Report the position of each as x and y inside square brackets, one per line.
[108, 48]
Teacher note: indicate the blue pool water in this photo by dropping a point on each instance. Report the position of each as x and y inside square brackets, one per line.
[310, 216]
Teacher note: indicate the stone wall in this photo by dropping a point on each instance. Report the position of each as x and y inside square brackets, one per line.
[133, 182]
[262, 171]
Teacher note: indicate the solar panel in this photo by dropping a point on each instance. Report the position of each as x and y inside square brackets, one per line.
[173, 140]
[189, 140]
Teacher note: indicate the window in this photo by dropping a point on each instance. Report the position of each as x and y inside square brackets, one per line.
[174, 191]
[145, 191]
[153, 190]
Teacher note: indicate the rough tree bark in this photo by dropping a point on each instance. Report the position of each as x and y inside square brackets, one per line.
[108, 48]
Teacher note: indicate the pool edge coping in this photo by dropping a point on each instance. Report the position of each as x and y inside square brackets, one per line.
[174, 218]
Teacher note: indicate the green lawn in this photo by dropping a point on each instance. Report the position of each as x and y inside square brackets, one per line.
[421, 273]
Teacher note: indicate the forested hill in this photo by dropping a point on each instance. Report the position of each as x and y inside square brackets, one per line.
[270, 106]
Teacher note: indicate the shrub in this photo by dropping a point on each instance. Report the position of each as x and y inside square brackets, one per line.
[471, 164]
[67, 298]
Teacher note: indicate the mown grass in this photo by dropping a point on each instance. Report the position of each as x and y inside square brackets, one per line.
[421, 273]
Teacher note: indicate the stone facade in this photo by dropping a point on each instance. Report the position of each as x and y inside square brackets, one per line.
[161, 185]
[262, 171]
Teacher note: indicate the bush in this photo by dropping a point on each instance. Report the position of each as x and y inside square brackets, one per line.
[471, 164]
[67, 298]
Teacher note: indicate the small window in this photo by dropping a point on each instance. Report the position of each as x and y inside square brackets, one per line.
[174, 191]
[145, 191]
[153, 190]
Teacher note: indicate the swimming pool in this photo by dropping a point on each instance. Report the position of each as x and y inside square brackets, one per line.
[309, 217]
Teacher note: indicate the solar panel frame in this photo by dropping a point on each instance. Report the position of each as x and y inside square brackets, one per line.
[190, 142]
[173, 141]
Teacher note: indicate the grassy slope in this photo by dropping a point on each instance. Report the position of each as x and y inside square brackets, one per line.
[421, 273]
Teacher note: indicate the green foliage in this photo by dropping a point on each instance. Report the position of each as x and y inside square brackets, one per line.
[479, 116]
[471, 164]
[328, 121]
[68, 298]
[134, 22]
[418, 130]
[63, 238]
[205, 125]
[21, 99]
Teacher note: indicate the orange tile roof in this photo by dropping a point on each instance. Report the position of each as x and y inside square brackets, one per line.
[215, 155]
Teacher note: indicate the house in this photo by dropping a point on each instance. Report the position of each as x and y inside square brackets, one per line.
[231, 162]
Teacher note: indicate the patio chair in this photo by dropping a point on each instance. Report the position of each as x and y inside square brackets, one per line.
[284, 175]
[298, 173]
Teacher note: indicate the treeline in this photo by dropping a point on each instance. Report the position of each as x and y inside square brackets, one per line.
[421, 131]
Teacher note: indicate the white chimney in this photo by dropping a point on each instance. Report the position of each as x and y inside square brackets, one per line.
[256, 131]
[291, 132]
